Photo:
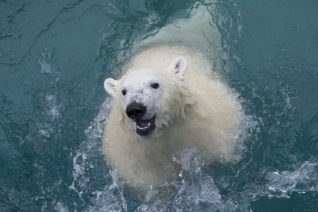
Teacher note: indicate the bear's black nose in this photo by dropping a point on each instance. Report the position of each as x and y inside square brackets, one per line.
[135, 110]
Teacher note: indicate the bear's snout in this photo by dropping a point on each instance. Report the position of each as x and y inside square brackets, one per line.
[135, 110]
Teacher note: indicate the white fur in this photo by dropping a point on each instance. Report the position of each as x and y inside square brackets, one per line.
[193, 109]
[139, 90]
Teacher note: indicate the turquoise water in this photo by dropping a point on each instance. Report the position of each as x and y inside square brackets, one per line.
[55, 55]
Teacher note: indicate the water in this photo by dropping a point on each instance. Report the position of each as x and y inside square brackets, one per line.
[54, 56]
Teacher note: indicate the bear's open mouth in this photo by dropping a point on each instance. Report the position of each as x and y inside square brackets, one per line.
[145, 127]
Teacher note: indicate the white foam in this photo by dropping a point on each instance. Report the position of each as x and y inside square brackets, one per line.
[111, 198]
[46, 130]
[82, 159]
[53, 108]
[285, 93]
[60, 207]
[302, 179]
[152, 18]
[44, 62]
[45, 67]
[51, 104]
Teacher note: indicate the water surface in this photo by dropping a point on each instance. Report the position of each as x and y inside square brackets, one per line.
[54, 56]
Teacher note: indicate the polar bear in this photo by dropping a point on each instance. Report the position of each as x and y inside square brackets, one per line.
[167, 100]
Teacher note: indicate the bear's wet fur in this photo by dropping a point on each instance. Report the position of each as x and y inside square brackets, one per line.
[193, 108]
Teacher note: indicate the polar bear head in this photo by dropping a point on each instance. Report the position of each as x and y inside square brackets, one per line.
[150, 98]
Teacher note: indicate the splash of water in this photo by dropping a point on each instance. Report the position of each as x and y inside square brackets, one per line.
[302, 179]
[193, 190]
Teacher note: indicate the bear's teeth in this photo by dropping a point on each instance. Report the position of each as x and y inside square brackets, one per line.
[145, 127]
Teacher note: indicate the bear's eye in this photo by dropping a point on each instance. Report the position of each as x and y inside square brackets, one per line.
[124, 91]
[154, 85]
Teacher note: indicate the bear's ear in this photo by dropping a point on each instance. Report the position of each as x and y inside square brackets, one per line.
[110, 86]
[179, 66]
